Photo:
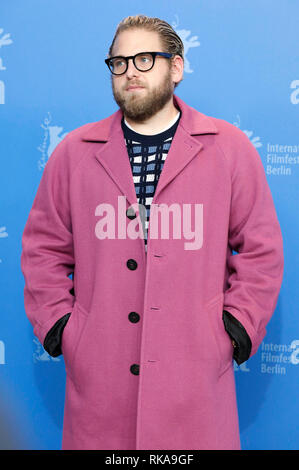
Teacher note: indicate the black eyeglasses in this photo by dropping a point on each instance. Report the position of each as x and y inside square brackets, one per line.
[143, 62]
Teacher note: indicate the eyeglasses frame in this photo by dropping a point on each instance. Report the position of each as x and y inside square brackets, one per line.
[167, 55]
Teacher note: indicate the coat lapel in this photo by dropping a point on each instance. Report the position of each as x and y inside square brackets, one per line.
[114, 158]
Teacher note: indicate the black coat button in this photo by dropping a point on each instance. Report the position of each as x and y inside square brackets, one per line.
[134, 317]
[132, 264]
[131, 213]
[134, 369]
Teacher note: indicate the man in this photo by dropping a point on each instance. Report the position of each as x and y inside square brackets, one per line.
[150, 321]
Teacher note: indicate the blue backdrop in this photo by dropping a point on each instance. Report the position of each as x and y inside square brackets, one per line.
[242, 65]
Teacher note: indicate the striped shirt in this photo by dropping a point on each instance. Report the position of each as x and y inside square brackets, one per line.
[147, 155]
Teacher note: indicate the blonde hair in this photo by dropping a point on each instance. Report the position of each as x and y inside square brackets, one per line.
[170, 40]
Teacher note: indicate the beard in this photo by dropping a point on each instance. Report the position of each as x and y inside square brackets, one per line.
[139, 108]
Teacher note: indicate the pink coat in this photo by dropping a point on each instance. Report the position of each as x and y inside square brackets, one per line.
[184, 394]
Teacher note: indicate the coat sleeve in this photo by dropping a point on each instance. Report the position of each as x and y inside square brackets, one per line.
[47, 257]
[256, 270]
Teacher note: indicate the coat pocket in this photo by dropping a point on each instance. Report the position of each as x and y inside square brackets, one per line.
[222, 342]
[71, 335]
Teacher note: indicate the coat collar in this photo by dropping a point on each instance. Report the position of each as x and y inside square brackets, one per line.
[194, 123]
[114, 158]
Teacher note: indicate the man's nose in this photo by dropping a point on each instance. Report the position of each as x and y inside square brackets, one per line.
[132, 71]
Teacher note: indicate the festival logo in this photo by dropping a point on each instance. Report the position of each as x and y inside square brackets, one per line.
[3, 234]
[277, 358]
[294, 98]
[279, 159]
[274, 358]
[254, 140]
[52, 137]
[242, 367]
[40, 355]
[5, 40]
[189, 42]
